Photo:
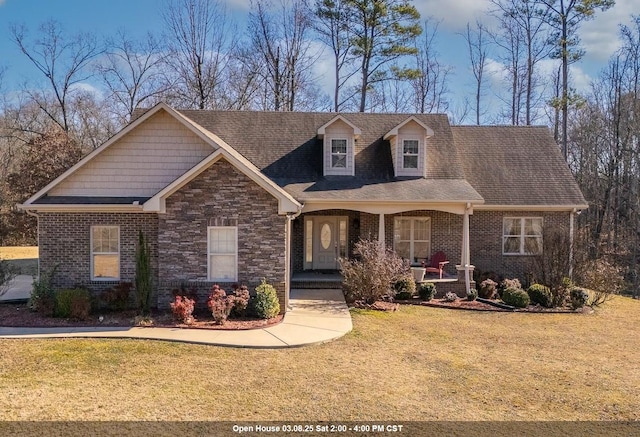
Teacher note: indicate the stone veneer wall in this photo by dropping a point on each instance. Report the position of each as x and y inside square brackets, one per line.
[220, 196]
[64, 241]
[486, 241]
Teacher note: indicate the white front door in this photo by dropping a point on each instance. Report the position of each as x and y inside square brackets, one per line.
[325, 243]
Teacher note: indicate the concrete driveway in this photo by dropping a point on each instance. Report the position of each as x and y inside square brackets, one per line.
[19, 289]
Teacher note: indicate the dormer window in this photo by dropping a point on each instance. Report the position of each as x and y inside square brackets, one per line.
[338, 143]
[410, 153]
[339, 153]
[409, 146]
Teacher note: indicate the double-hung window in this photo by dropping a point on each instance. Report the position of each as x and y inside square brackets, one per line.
[338, 153]
[412, 237]
[223, 253]
[105, 253]
[522, 235]
[410, 151]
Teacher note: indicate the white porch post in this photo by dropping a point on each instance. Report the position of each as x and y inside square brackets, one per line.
[381, 235]
[465, 260]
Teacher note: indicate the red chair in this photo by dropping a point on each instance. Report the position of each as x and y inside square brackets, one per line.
[437, 263]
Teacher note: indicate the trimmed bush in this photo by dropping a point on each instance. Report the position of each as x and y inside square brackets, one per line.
[265, 303]
[220, 304]
[450, 297]
[426, 290]
[541, 295]
[43, 299]
[487, 289]
[472, 294]
[405, 286]
[579, 297]
[73, 303]
[240, 302]
[516, 297]
[509, 283]
[182, 308]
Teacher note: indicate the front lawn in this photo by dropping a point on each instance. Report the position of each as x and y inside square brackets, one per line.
[416, 364]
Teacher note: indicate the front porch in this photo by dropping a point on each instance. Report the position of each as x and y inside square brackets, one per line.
[321, 237]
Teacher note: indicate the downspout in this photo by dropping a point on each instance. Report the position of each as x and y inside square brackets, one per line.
[287, 256]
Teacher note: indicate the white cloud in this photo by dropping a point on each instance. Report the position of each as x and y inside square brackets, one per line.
[86, 87]
[600, 36]
[455, 14]
[236, 5]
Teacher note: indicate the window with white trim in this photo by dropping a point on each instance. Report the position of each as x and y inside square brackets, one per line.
[412, 238]
[410, 153]
[339, 153]
[223, 253]
[522, 235]
[105, 253]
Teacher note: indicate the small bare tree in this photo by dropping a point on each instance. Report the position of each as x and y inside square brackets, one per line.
[64, 61]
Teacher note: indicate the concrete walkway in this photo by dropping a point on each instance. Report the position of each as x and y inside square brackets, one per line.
[315, 316]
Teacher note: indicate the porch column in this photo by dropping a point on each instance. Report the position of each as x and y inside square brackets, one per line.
[465, 261]
[381, 236]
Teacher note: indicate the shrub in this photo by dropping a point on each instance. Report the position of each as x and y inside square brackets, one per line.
[191, 293]
[540, 294]
[143, 275]
[450, 297]
[487, 289]
[427, 290]
[405, 285]
[220, 304]
[603, 278]
[579, 297]
[241, 301]
[516, 297]
[560, 294]
[182, 308]
[509, 283]
[73, 303]
[472, 294]
[117, 297]
[43, 297]
[265, 303]
[369, 276]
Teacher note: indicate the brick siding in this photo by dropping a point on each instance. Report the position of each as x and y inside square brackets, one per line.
[486, 241]
[65, 241]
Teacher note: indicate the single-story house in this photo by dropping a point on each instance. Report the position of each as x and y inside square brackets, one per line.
[236, 196]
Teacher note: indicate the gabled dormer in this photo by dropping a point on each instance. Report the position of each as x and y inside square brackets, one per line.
[409, 147]
[338, 151]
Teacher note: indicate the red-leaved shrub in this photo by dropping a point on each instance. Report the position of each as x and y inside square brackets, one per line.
[220, 304]
[182, 309]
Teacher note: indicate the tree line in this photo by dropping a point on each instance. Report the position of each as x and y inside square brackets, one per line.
[382, 56]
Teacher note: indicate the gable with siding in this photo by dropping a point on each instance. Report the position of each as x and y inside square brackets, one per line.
[141, 163]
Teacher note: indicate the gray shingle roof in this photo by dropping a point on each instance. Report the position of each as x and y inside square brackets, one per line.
[511, 165]
[285, 147]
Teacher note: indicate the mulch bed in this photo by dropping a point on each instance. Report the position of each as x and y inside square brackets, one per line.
[463, 304]
[18, 315]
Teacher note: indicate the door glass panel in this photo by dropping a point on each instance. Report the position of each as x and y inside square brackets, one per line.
[343, 238]
[309, 241]
[325, 236]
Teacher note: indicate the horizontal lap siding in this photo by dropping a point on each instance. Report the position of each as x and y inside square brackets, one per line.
[141, 163]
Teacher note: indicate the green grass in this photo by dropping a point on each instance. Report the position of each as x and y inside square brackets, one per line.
[417, 364]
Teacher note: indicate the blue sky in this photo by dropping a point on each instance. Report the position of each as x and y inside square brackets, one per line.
[105, 17]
